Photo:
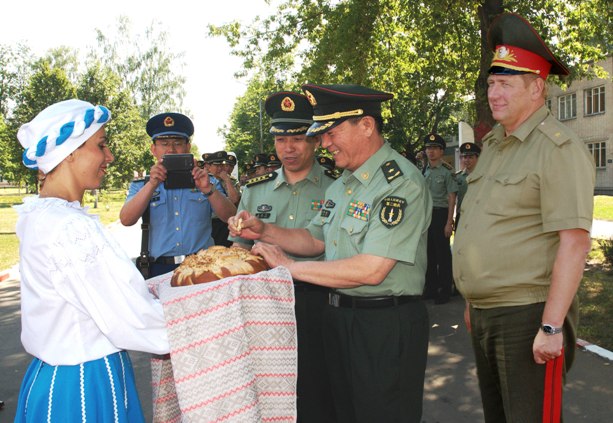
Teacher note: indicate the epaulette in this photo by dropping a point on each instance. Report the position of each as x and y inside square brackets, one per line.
[391, 170]
[261, 179]
[554, 132]
[459, 172]
[447, 165]
[332, 174]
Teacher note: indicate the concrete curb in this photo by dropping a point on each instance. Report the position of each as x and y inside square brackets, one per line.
[595, 349]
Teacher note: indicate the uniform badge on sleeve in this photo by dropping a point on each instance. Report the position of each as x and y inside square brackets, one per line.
[392, 211]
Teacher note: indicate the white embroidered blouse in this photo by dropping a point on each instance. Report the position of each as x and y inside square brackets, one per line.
[81, 296]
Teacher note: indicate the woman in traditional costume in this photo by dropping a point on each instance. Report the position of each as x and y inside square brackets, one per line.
[83, 302]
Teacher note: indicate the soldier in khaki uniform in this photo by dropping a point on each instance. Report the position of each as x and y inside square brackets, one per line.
[443, 189]
[520, 249]
[373, 229]
[290, 197]
[469, 154]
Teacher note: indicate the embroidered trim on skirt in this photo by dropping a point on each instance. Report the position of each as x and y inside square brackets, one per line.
[101, 390]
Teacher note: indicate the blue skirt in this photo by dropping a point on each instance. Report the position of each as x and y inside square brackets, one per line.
[101, 390]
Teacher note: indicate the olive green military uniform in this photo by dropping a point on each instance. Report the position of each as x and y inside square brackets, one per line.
[441, 183]
[526, 187]
[382, 209]
[272, 199]
[460, 180]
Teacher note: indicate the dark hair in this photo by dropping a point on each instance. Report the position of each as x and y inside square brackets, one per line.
[378, 121]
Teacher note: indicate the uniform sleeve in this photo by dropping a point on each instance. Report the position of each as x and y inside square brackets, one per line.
[105, 285]
[134, 188]
[399, 241]
[450, 183]
[567, 189]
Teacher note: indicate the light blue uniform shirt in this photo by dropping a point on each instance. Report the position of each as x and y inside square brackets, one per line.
[180, 220]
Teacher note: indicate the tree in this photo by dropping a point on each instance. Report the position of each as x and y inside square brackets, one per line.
[126, 131]
[428, 54]
[15, 70]
[146, 65]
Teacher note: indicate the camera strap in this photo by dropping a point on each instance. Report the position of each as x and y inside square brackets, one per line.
[144, 260]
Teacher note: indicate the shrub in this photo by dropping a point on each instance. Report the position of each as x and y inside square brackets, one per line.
[606, 245]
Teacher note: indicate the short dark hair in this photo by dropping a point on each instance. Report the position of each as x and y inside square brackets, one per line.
[378, 121]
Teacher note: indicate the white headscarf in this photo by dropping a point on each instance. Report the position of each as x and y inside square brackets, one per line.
[59, 130]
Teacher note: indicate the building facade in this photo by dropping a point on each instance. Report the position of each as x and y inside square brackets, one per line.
[586, 107]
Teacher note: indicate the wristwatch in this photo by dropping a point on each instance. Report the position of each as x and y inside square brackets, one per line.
[550, 330]
[208, 194]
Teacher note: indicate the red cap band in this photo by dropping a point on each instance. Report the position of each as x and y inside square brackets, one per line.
[518, 59]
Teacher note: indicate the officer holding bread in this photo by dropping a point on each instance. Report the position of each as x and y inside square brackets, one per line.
[373, 229]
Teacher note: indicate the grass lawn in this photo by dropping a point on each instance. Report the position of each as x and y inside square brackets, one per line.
[603, 207]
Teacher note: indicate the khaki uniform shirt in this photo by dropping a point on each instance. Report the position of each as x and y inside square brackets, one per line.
[460, 179]
[525, 188]
[441, 183]
[289, 206]
[383, 209]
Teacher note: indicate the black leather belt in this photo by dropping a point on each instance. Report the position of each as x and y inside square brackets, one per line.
[341, 300]
[169, 260]
[300, 286]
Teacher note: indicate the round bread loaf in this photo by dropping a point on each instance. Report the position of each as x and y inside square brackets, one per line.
[217, 262]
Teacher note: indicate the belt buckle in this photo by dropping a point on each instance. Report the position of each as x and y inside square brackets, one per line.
[334, 299]
[179, 259]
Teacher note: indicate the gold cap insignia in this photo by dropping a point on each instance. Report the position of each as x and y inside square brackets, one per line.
[503, 53]
[287, 105]
[468, 147]
[311, 98]
[432, 137]
[169, 121]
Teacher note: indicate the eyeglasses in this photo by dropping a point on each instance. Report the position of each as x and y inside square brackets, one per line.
[171, 143]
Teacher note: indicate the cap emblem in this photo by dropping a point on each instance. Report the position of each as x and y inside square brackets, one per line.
[169, 121]
[311, 98]
[288, 105]
[432, 137]
[504, 54]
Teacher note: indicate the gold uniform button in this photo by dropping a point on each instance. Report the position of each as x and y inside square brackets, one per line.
[365, 175]
[294, 193]
[350, 230]
[176, 213]
[349, 191]
[178, 228]
[291, 217]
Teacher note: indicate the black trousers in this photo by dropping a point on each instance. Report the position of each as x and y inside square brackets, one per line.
[220, 232]
[438, 276]
[377, 361]
[315, 403]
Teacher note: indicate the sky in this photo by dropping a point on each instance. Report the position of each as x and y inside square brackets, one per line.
[209, 68]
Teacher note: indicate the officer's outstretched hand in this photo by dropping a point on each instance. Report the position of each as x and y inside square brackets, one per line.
[273, 254]
[245, 225]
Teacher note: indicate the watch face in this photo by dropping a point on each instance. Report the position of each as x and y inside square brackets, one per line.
[548, 329]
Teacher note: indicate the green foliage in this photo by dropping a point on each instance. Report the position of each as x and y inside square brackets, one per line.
[15, 70]
[432, 55]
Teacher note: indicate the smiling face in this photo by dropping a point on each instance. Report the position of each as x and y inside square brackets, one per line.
[350, 142]
[296, 152]
[90, 161]
[514, 98]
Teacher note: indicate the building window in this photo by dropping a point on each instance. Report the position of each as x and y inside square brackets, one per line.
[599, 151]
[567, 106]
[594, 101]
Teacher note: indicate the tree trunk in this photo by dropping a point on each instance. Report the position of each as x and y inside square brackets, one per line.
[487, 11]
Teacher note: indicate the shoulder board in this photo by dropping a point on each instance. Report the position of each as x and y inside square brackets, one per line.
[459, 172]
[391, 170]
[447, 165]
[261, 179]
[332, 174]
[554, 132]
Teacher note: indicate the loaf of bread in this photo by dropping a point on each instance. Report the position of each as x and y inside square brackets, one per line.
[217, 262]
